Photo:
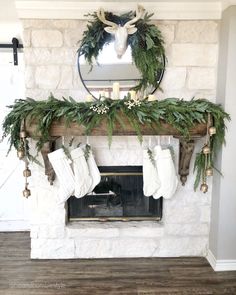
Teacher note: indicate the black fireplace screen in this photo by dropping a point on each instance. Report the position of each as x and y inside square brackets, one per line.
[119, 196]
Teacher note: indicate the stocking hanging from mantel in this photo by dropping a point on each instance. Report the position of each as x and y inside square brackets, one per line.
[159, 175]
[83, 180]
[62, 168]
[93, 171]
[167, 173]
[151, 182]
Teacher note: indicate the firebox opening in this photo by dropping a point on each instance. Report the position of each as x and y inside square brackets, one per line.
[118, 197]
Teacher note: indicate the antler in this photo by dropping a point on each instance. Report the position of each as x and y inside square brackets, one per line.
[139, 13]
[101, 16]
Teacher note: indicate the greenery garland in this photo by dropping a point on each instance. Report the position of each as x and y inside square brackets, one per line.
[146, 44]
[180, 114]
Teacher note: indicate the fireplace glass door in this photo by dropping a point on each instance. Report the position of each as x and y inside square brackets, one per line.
[118, 197]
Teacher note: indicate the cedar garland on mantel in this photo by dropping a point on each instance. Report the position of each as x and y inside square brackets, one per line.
[47, 120]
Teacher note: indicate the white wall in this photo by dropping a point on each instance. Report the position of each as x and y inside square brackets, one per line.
[223, 221]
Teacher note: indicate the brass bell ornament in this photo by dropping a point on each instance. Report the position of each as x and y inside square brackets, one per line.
[206, 150]
[212, 130]
[23, 134]
[26, 192]
[27, 172]
[209, 171]
[20, 154]
[204, 187]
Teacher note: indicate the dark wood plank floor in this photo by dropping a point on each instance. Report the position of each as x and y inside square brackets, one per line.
[19, 275]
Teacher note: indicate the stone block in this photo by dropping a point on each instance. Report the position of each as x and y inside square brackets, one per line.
[34, 229]
[174, 78]
[205, 214]
[46, 38]
[140, 231]
[37, 94]
[66, 80]
[64, 56]
[52, 248]
[196, 229]
[185, 246]
[37, 56]
[26, 38]
[29, 77]
[194, 54]
[73, 37]
[67, 23]
[50, 56]
[118, 157]
[167, 31]
[36, 23]
[115, 248]
[87, 230]
[174, 214]
[197, 32]
[51, 231]
[47, 77]
[202, 78]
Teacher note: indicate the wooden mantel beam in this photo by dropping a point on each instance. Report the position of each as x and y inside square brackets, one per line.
[59, 128]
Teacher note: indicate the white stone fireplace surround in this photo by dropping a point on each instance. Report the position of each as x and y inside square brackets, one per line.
[50, 56]
[183, 230]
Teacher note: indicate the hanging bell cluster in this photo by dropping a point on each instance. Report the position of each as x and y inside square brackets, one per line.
[206, 150]
[21, 153]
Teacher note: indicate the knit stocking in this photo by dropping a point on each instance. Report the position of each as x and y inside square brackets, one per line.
[62, 168]
[151, 182]
[93, 171]
[167, 174]
[83, 180]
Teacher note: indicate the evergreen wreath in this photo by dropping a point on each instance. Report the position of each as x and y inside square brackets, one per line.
[180, 114]
[147, 46]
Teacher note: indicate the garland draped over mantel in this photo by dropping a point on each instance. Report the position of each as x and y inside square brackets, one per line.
[182, 115]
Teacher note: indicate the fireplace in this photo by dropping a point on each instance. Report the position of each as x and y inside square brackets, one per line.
[118, 197]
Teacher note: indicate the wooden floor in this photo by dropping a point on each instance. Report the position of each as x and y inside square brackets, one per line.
[20, 275]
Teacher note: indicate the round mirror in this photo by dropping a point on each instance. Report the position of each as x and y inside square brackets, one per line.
[109, 73]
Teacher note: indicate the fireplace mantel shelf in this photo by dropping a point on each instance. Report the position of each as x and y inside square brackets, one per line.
[60, 128]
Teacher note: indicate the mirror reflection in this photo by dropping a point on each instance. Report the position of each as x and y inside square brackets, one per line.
[110, 76]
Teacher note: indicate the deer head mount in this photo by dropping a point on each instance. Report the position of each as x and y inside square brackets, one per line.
[121, 32]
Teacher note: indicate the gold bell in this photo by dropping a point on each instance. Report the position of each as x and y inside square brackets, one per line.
[209, 171]
[212, 130]
[20, 154]
[26, 192]
[206, 150]
[204, 188]
[27, 172]
[23, 134]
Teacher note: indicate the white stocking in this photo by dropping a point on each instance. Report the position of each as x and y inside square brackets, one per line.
[83, 180]
[151, 182]
[62, 168]
[93, 171]
[167, 174]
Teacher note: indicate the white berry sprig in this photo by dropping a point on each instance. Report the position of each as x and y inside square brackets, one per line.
[99, 109]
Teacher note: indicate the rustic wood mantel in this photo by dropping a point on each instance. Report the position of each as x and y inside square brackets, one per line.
[60, 128]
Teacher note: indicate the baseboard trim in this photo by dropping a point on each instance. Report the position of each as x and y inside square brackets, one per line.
[221, 265]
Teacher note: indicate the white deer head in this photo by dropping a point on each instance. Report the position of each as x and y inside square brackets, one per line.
[121, 32]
